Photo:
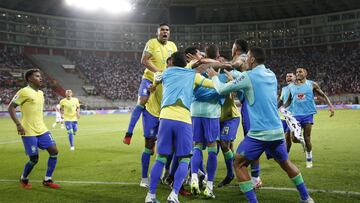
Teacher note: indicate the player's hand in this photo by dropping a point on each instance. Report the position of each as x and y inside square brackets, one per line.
[211, 72]
[228, 75]
[152, 88]
[127, 139]
[332, 111]
[20, 129]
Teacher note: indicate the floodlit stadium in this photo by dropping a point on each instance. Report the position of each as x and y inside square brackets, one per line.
[179, 101]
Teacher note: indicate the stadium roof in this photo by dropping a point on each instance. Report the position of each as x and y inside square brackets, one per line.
[204, 11]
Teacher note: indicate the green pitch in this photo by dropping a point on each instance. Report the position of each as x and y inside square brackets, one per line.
[109, 171]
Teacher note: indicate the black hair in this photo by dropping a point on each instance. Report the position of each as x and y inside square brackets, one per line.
[191, 50]
[29, 73]
[163, 24]
[212, 51]
[178, 59]
[259, 54]
[242, 44]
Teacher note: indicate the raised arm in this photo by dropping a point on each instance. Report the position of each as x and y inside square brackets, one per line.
[318, 90]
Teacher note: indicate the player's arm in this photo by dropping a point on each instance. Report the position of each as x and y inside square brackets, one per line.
[240, 83]
[146, 58]
[61, 110]
[18, 100]
[215, 65]
[202, 81]
[319, 91]
[78, 109]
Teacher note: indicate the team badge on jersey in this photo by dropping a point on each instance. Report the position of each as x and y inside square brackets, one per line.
[301, 96]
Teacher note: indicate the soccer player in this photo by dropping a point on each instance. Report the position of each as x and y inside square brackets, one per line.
[266, 133]
[290, 78]
[302, 104]
[155, 54]
[205, 114]
[32, 129]
[58, 118]
[175, 130]
[70, 110]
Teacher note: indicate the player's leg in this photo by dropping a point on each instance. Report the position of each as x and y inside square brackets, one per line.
[288, 139]
[197, 157]
[164, 148]
[229, 160]
[150, 129]
[249, 149]
[182, 149]
[140, 106]
[279, 153]
[31, 149]
[68, 126]
[46, 141]
[307, 138]
[167, 169]
[74, 126]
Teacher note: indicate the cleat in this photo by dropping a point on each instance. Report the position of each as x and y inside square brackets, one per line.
[194, 187]
[72, 148]
[227, 180]
[208, 193]
[202, 181]
[50, 184]
[172, 199]
[148, 199]
[309, 200]
[144, 182]
[309, 164]
[184, 192]
[257, 183]
[25, 184]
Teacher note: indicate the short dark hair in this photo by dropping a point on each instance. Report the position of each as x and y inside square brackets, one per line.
[259, 54]
[241, 44]
[30, 72]
[191, 50]
[163, 24]
[178, 59]
[212, 51]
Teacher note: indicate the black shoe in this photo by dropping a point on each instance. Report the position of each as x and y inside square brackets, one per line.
[227, 180]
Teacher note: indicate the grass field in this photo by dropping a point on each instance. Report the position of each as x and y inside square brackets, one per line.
[109, 171]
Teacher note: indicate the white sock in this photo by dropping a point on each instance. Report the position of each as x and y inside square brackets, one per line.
[23, 178]
[47, 178]
[209, 184]
[194, 177]
[144, 180]
[173, 194]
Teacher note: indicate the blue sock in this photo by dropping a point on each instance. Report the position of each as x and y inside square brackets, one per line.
[300, 186]
[247, 188]
[28, 168]
[135, 115]
[255, 170]
[71, 137]
[145, 162]
[174, 165]
[156, 172]
[51, 165]
[168, 162]
[229, 161]
[196, 159]
[180, 174]
[211, 163]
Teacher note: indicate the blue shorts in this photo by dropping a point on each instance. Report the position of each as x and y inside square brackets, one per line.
[32, 143]
[305, 119]
[229, 129]
[71, 125]
[174, 137]
[285, 126]
[205, 130]
[252, 149]
[143, 88]
[150, 125]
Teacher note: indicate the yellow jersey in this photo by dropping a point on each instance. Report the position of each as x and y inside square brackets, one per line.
[31, 104]
[153, 105]
[229, 110]
[159, 54]
[178, 111]
[70, 106]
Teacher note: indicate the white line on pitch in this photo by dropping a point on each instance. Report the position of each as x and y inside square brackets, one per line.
[132, 183]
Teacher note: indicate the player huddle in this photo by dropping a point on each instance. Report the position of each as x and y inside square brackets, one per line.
[187, 102]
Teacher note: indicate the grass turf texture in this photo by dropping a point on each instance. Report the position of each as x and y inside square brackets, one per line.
[101, 156]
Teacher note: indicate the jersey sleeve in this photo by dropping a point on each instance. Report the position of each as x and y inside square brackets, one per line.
[20, 98]
[149, 47]
[202, 81]
[77, 103]
[239, 83]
